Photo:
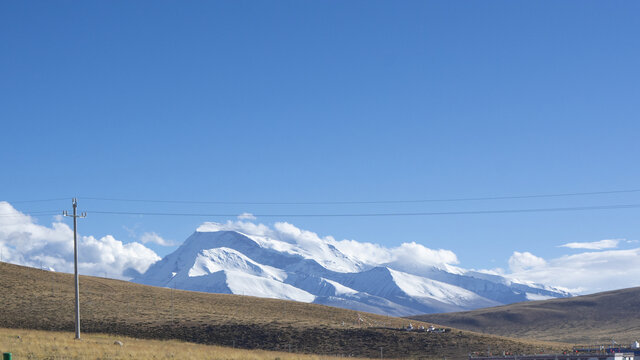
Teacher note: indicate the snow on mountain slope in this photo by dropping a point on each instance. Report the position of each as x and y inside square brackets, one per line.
[209, 261]
[291, 264]
[237, 282]
[419, 287]
[340, 290]
[245, 284]
[413, 291]
[490, 286]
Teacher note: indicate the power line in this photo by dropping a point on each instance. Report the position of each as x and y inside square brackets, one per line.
[506, 197]
[433, 213]
[34, 201]
[33, 214]
[501, 197]
[471, 212]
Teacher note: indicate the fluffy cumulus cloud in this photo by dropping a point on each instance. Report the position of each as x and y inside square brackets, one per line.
[594, 245]
[520, 261]
[23, 241]
[585, 272]
[151, 237]
[410, 256]
[240, 226]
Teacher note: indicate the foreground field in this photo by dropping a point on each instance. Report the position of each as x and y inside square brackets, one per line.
[37, 344]
[36, 299]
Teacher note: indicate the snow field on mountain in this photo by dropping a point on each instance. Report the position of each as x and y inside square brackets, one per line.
[245, 284]
[416, 286]
[213, 260]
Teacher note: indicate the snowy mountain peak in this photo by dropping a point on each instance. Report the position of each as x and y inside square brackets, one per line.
[308, 247]
[295, 265]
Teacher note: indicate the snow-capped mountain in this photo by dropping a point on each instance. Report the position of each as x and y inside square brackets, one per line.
[222, 261]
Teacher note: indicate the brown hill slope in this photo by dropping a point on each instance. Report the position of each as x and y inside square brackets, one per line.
[589, 319]
[36, 299]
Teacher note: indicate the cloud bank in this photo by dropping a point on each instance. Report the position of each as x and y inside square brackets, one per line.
[581, 273]
[600, 267]
[524, 261]
[24, 242]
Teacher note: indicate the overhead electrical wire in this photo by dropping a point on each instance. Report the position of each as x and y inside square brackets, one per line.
[436, 213]
[366, 201]
[35, 201]
[363, 214]
[502, 197]
[33, 214]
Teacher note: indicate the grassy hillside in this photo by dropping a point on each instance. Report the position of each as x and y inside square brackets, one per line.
[36, 299]
[588, 319]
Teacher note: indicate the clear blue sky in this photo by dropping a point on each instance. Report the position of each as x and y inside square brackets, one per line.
[328, 101]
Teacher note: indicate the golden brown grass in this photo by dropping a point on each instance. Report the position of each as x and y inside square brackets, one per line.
[590, 319]
[53, 345]
[36, 299]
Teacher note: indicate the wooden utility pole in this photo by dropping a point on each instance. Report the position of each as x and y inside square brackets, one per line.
[75, 217]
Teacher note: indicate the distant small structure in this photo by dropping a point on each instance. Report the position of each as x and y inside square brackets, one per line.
[421, 328]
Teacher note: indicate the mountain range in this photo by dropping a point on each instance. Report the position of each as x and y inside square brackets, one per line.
[222, 261]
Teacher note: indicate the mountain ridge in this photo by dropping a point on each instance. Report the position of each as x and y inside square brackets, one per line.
[228, 261]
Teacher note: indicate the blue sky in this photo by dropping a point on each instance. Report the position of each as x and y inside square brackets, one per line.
[296, 101]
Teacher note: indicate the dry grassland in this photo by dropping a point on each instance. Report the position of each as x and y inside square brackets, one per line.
[590, 319]
[55, 345]
[36, 299]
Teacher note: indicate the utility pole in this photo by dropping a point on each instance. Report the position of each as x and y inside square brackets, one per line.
[75, 217]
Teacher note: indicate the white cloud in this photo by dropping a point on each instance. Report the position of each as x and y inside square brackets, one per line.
[586, 272]
[525, 260]
[240, 226]
[410, 256]
[246, 216]
[369, 253]
[416, 253]
[595, 245]
[151, 237]
[24, 242]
